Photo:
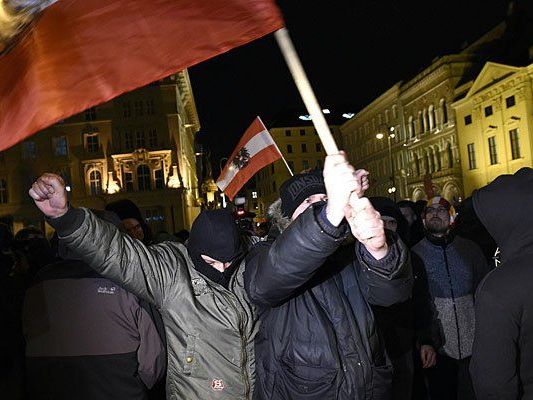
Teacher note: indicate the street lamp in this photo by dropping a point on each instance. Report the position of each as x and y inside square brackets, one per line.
[390, 135]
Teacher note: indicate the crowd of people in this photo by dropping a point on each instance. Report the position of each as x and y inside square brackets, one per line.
[339, 296]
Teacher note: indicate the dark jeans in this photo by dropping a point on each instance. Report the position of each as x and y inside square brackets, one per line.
[402, 378]
[450, 379]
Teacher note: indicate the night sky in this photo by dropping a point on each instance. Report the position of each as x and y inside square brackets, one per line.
[352, 52]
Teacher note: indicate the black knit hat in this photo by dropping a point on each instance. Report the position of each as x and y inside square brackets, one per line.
[295, 190]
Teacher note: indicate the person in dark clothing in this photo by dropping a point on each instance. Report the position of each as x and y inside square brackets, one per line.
[318, 338]
[88, 338]
[502, 359]
[468, 225]
[454, 267]
[414, 220]
[405, 324]
[132, 220]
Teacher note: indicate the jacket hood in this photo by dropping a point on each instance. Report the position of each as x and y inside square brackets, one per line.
[504, 208]
[279, 221]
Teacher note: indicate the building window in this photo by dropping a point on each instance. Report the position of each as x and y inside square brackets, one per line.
[60, 146]
[93, 144]
[150, 107]
[304, 148]
[510, 101]
[287, 132]
[426, 121]
[318, 147]
[302, 132]
[3, 191]
[449, 153]
[152, 137]
[140, 142]
[159, 179]
[139, 109]
[412, 131]
[29, 150]
[126, 109]
[492, 150]
[143, 177]
[515, 143]
[95, 182]
[305, 164]
[90, 114]
[289, 148]
[468, 119]
[291, 165]
[444, 111]
[488, 111]
[420, 122]
[432, 118]
[128, 139]
[128, 181]
[471, 156]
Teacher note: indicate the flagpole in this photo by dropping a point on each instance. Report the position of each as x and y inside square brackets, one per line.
[306, 91]
[275, 144]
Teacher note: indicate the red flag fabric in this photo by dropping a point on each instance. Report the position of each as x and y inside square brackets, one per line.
[255, 150]
[80, 53]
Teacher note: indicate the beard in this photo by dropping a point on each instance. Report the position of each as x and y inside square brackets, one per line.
[436, 226]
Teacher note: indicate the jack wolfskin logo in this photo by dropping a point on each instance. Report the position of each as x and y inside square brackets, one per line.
[106, 290]
[217, 384]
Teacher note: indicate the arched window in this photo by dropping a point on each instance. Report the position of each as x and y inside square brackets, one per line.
[449, 153]
[438, 158]
[444, 111]
[95, 182]
[412, 131]
[420, 122]
[426, 121]
[143, 177]
[432, 118]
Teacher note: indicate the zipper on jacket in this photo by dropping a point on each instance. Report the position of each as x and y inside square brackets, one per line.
[244, 353]
[453, 301]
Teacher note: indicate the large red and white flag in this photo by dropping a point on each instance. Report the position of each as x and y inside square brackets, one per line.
[255, 150]
[68, 55]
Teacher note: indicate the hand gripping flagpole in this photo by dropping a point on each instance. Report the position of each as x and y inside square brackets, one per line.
[306, 91]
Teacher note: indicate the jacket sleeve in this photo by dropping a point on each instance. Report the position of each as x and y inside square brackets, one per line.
[387, 281]
[495, 357]
[151, 354]
[146, 271]
[275, 272]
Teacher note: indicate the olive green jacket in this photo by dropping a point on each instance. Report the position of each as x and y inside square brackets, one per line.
[210, 331]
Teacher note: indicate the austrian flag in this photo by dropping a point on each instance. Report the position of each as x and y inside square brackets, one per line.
[255, 150]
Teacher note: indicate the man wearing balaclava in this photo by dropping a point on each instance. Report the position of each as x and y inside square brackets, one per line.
[318, 337]
[502, 359]
[199, 290]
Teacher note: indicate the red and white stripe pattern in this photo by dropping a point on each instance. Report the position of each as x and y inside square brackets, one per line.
[260, 150]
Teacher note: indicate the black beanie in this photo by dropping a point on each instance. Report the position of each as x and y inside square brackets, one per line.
[215, 234]
[295, 190]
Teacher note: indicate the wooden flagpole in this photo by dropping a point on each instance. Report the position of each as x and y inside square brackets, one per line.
[275, 144]
[306, 91]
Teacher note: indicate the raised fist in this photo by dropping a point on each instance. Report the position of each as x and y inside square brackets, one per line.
[50, 195]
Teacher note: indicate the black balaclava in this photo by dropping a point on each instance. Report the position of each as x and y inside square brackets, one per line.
[214, 234]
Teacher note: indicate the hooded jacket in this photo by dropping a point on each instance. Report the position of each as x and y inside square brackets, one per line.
[502, 360]
[318, 338]
[210, 330]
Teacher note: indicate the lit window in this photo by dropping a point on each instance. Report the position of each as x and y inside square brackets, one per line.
[95, 182]
[128, 181]
[471, 156]
[515, 144]
[492, 150]
[93, 145]
[159, 179]
[143, 177]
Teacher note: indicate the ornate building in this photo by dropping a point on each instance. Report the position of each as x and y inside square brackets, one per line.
[494, 124]
[138, 146]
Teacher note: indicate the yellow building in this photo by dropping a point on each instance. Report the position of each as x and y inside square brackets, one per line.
[494, 124]
[138, 146]
[300, 145]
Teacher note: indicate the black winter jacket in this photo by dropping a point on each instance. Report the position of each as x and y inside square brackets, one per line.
[318, 338]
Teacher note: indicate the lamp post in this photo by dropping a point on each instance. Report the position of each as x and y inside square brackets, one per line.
[221, 167]
[390, 132]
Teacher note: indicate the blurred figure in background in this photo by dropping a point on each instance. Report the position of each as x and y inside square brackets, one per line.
[132, 220]
[414, 220]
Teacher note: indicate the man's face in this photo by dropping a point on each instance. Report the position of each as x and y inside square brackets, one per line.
[389, 223]
[408, 214]
[218, 265]
[133, 228]
[315, 198]
[437, 219]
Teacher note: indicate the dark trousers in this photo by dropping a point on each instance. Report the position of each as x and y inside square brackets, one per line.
[402, 378]
[450, 379]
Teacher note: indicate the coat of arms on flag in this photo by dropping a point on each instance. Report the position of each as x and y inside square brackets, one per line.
[255, 150]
